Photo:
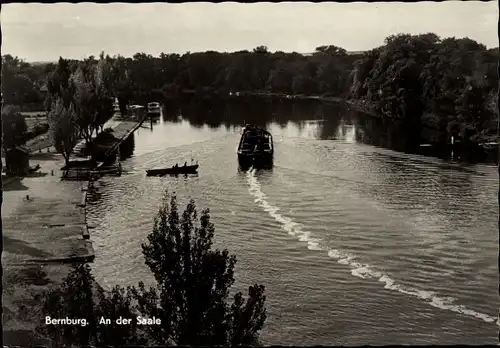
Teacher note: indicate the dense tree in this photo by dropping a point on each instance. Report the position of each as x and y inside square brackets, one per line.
[114, 304]
[92, 99]
[73, 299]
[121, 83]
[420, 78]
[59, 84]
[432, 82]
[85, 103]
[82, 95]
[21, 82]
[193, 283]
[14, 127]
[64, 128]
[191, 296]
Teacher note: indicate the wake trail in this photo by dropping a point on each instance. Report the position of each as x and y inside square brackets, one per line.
[359, 270]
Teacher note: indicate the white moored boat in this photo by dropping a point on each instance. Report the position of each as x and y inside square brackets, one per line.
[154, 108]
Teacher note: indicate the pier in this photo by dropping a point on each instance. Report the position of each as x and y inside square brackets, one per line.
[122, 131]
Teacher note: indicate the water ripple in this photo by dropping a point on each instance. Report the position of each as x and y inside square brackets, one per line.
[357, 269]
[385, 216]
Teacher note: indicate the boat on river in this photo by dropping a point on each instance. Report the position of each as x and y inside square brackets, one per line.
[255, 148]
[175, 170]
[154, 109]
[490, 146]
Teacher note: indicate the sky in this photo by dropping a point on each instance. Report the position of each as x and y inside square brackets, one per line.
[43, 32]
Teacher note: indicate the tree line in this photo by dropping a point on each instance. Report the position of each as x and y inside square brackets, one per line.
[445, 84]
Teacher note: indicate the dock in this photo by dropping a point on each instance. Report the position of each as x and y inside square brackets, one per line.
[122, 130]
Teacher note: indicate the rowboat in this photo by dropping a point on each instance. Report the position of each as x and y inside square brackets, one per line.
[175, 170]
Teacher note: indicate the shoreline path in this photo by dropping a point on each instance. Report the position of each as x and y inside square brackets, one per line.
[43, 236]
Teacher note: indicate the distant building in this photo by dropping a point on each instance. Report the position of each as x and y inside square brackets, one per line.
[17, 161]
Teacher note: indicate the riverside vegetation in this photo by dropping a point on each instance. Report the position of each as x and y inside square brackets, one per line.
[445, 85]
[78, 101]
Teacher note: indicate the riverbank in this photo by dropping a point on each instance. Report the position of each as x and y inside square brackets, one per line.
[45, 232]
[360, 104]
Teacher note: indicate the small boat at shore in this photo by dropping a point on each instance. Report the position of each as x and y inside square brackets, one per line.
[175, 170]
[154, 108]
[490, 146]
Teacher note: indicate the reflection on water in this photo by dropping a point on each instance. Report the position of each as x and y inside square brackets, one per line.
[398, 135]
[127, 148]
[356, 244]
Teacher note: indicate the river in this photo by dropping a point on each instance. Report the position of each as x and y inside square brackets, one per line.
[356, 244]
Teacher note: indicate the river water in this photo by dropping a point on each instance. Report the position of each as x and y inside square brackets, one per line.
[356, 244]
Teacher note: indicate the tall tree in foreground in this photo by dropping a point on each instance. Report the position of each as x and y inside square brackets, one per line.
[193, 283]
[64, 128]
[191, 297]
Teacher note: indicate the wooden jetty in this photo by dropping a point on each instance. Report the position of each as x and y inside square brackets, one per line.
[122, 131]
[108, 165]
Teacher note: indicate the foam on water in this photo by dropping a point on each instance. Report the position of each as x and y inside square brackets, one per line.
[357, 269]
